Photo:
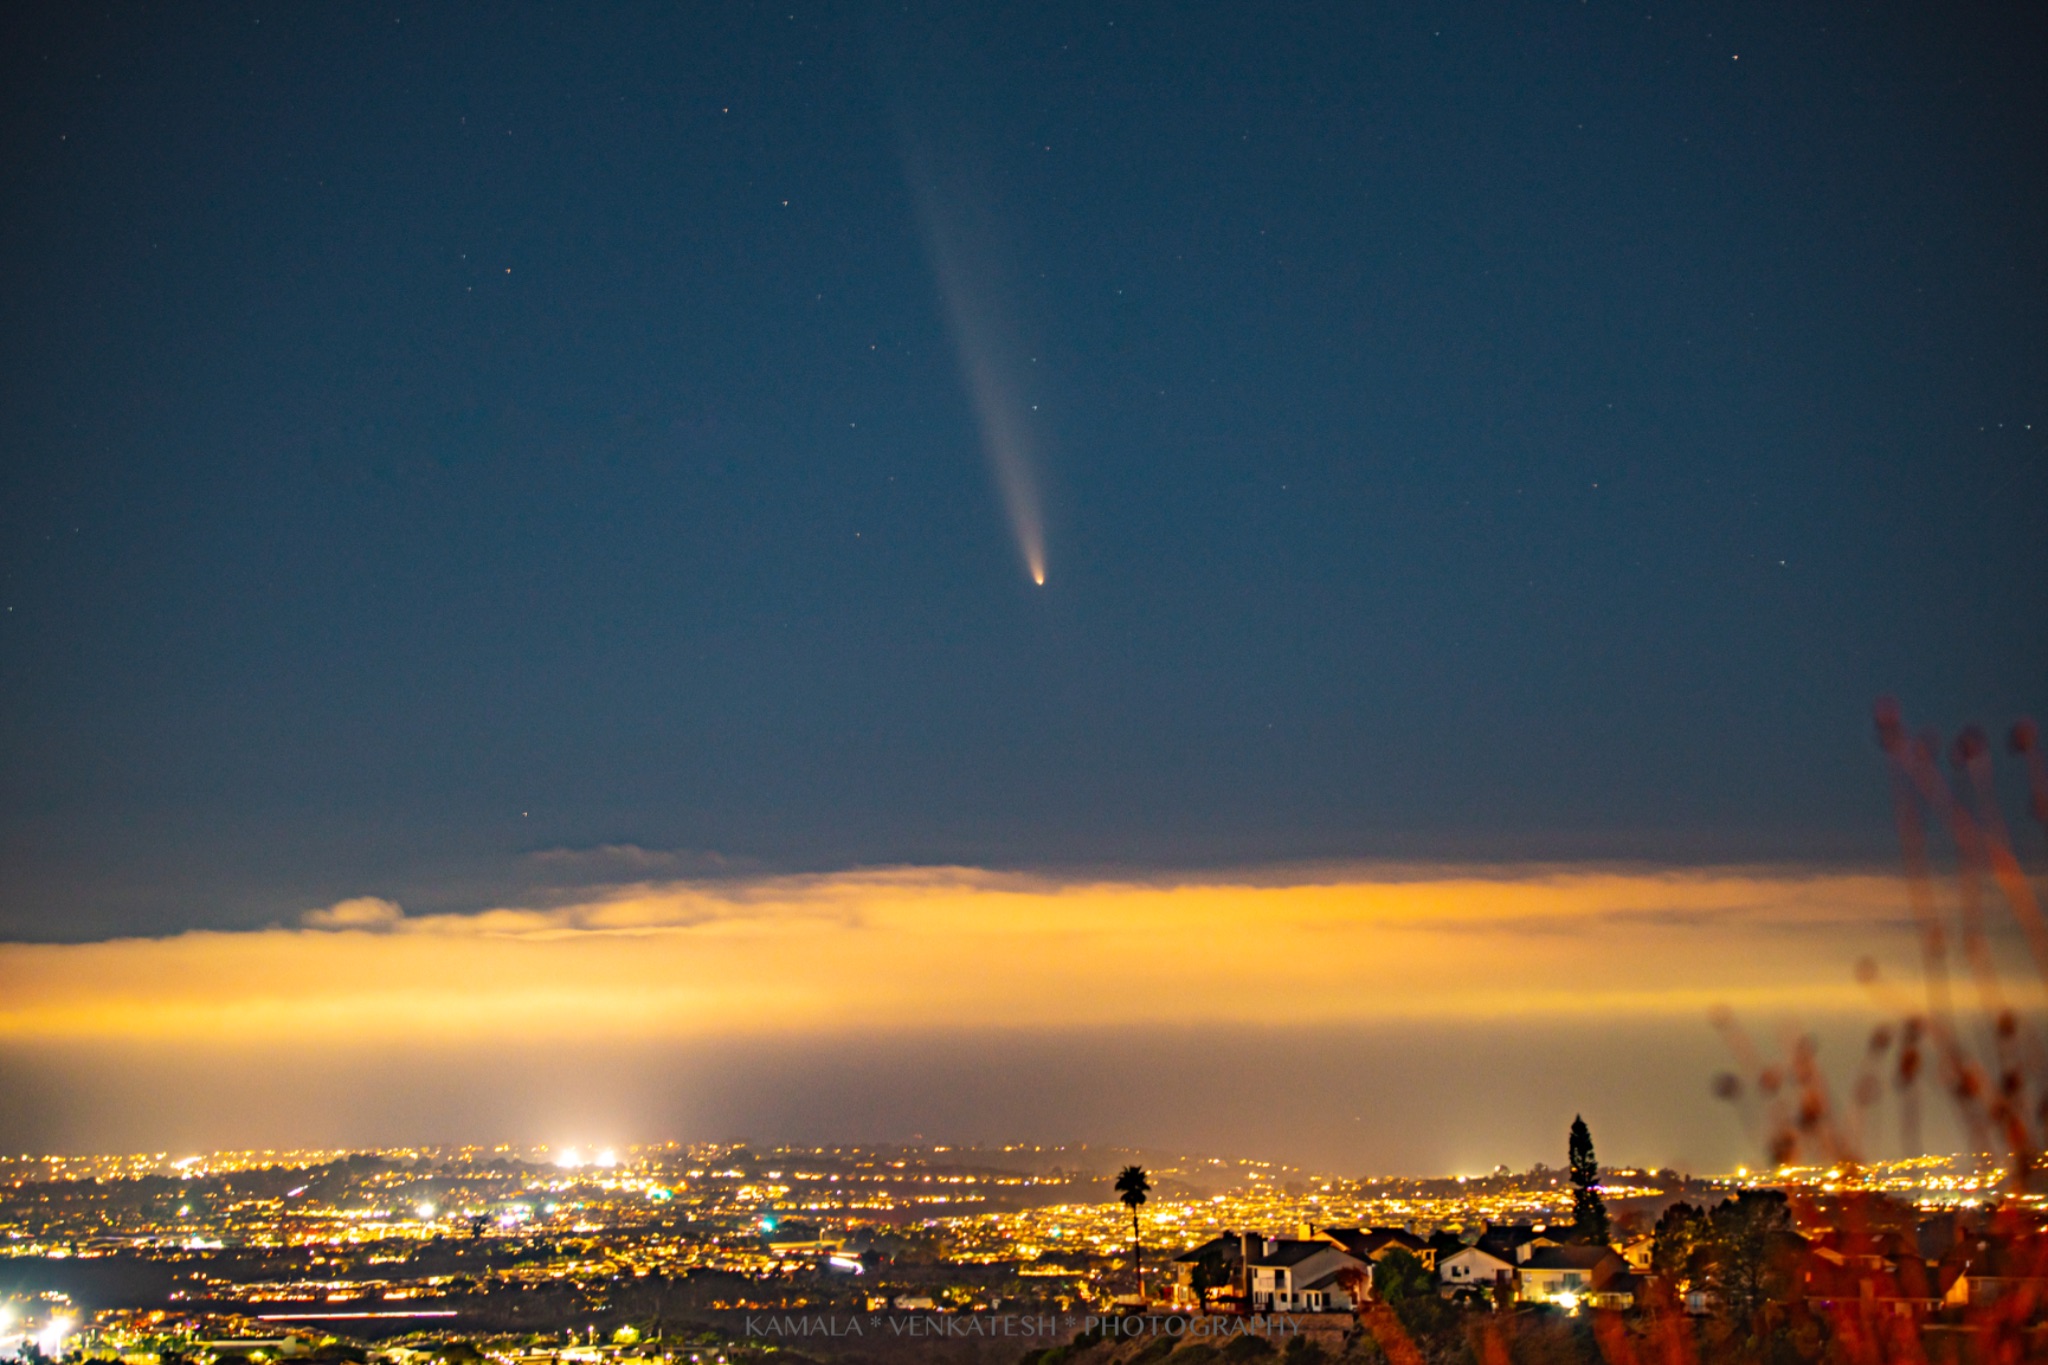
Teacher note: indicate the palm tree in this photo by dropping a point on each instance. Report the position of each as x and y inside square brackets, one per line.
[1132, 1185]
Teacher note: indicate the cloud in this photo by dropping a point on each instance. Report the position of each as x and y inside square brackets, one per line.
[615, 862]
[904, 950]
[364, 914]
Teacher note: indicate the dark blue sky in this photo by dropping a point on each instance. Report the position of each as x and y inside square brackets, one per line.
[435, 435]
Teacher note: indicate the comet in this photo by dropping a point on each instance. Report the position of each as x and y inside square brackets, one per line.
[987, 369]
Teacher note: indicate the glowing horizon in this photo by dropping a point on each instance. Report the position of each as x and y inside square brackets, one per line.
[960, 948]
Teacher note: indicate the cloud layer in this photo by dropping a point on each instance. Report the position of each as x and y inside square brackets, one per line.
[921, 949]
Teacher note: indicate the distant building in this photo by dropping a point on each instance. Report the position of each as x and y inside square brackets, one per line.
[267, 1347]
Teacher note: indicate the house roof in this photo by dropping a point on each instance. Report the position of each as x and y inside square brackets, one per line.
[1290, 1252]
[1224, 1245]
[1372, 1241]
[1515, 1233]
[1503, 1238]
[1328, 1281]
[1569, 1258]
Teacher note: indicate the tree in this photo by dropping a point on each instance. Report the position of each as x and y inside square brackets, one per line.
[1589, 1212]
[1400, 1276]
[1680, 1228]
[1744, 1251]
[1409, 1288]
[1211, 1268]
[1754, 1252]
[1132, 1185]
[1356, 1280]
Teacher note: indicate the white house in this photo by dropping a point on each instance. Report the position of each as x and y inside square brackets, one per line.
[1473, 1267]
[1301, 1276]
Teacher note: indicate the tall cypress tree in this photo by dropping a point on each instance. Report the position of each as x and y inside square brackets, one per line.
[1589, 1214]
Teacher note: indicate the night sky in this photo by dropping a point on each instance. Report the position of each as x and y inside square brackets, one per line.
[467, 455]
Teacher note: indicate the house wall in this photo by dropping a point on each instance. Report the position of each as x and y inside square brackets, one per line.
[1471, 1267]
[1545, 1286]
[1281, 1288]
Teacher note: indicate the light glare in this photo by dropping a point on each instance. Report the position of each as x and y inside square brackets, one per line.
[50, 1341]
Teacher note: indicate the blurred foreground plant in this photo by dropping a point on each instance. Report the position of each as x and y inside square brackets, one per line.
[1983, 1054]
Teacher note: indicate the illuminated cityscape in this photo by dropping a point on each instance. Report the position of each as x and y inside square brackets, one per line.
[1180, 684]
[655, 1249]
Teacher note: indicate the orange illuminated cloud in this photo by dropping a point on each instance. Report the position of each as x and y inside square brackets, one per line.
[950, 948]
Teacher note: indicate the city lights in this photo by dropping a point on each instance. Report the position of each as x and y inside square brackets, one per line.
[352, 1237]
[514, 550]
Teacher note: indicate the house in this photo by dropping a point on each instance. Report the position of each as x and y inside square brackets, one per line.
[1858, 1273]
[1626, 1289]
[1294, 1276]
[1515, 1241]
[1569, 1276]
[1474, 1268]
[1445, 1243]
[1983, 1270]
[1369, 1244]
[1198, 1272]
[1639, 1251]
[1973, 1290]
